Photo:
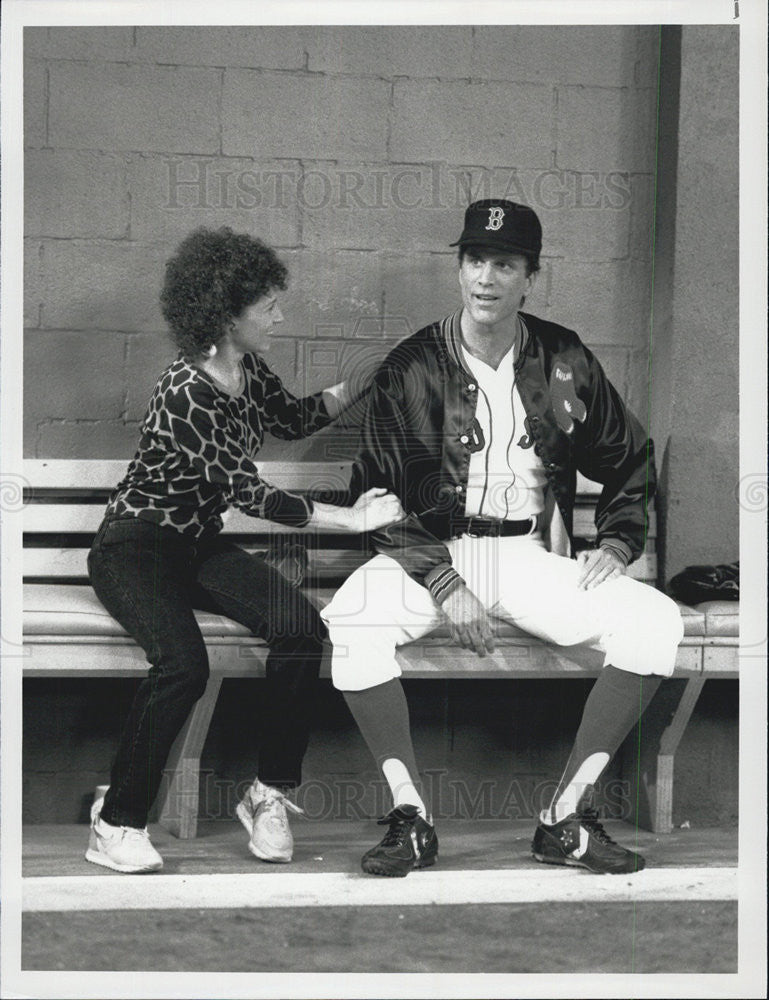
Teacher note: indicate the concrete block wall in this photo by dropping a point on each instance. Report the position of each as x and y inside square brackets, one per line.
[353, 151]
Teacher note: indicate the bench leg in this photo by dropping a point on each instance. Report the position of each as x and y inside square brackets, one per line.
[179, 791]
[650, 778]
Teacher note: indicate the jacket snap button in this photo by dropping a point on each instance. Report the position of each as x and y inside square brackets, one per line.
[457, 489]
[464, 439]
[471, 387]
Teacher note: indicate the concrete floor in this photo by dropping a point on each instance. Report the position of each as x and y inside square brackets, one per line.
[685, 936]
[334, 846]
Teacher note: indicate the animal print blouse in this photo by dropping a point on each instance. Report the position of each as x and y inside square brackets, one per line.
[197, 449]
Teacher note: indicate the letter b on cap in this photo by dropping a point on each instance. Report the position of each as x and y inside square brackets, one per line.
[496, 217]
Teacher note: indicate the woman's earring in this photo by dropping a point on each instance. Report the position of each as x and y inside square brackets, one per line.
[211, 352]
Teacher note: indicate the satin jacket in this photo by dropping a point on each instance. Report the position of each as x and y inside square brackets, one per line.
[419, 430]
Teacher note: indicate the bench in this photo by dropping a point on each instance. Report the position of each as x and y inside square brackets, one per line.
[67, 633]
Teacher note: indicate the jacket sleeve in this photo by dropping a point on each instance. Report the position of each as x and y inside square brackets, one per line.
[388, 448]
[613, 449]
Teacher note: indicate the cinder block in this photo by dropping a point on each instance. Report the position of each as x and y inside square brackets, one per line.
[254, 46]
[35, 42]
[325, 362]
[647, 55]
[472, 123]
[70, 193]
[616, 362]
[102, 285]
[102, 439]
[538, 300]
[421, 288]
[285, 115]
[59, 375]
[387, 51]
[606, 130]
[595, 55]
[95, 44]
[639, 396]
[592, 229]
[29, 433]
[606, 303]
[147, 355]
[144, 108]
[59, 383]
[330, 292]
[171, 195]
[35, 103]
[641, 216]
[709, 110]
[33, 282]
[707, 218]
[458, 186]
[378, 206]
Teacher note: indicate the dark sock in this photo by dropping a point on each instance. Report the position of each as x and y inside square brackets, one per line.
[616, 702]
[382, 715]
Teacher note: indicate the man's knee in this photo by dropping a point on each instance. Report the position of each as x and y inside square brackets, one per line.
[361, 657]
[648, 642]
[657, 619]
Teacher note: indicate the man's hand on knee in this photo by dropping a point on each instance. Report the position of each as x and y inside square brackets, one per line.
[468, 621]
[598, 565]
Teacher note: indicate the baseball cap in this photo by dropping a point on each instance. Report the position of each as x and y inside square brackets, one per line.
[503, 225]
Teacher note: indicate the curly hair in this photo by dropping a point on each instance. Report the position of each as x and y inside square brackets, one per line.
[214, 275]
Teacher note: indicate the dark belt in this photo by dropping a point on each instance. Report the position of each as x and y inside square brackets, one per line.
[482, 527]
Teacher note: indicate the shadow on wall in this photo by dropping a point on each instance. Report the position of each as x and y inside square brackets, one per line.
[697, 523]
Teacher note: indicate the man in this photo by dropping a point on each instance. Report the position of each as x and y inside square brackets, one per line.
[479, 423]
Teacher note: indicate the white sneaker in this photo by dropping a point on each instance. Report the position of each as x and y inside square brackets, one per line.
[121, 848]
[263, 813]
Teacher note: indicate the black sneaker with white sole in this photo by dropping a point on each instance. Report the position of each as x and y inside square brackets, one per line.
[581, 842]
[410, 842]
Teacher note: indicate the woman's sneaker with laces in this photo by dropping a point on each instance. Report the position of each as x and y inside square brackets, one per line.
[410, 842]
[263, 812]
[121, 848]
[581, 841]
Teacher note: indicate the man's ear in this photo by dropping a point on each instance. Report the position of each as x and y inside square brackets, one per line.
[531, 280]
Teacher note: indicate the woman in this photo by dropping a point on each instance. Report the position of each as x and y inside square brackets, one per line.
[158, 553]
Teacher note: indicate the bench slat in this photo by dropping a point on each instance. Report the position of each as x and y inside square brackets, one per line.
[104, 474]
[323, 563]
[97, 476]
[514, 658]
[72, 563]
[40, 518]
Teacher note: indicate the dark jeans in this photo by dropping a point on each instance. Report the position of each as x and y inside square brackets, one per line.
[150, 578]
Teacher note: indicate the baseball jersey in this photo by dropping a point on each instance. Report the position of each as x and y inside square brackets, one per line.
[506, 478]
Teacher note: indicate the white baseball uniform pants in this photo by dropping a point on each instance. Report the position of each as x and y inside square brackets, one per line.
[379, 607]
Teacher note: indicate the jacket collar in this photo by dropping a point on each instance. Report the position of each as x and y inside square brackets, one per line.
[450, 329]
